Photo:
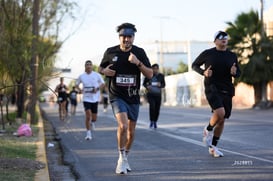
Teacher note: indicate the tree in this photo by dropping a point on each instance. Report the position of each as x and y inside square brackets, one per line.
[34, 59]
[255, 53]
[16, 42]
[15, 23]
[182, 67]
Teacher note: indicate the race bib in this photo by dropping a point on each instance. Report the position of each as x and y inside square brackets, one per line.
[126, 80]
[88, 91]
[73, 95]
[154, 83]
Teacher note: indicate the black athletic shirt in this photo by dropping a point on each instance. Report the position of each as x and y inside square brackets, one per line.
[221, 63]
[126, 82]
[61, 89]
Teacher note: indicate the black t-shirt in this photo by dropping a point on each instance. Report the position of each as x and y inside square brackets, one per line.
[153, 83]
[221, 63]
[61, 89]
[73, 95]
[126, 82]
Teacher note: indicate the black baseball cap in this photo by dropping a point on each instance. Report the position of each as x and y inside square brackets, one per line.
[220, 35]
[88, 62]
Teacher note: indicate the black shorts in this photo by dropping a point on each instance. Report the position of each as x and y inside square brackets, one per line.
[217, 99]
[61, 99]
[73, 102]
[105, 100]
[93, 106]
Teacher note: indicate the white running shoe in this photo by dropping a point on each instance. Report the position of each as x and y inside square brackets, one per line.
[88, 135]
[207, 137]
[121, 165]
[127, 166]
[213, 150]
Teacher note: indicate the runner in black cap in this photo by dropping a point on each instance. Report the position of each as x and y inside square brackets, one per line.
[220, 66]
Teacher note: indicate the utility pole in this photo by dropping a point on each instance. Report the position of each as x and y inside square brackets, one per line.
[262, 17]
[161, 18]
[161, 48]
[34, 59]
[263, 34]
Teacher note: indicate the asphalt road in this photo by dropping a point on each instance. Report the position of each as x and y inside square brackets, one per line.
[172, 152]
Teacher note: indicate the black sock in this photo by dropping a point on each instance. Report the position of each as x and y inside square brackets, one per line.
[210, 127]
[215, 140]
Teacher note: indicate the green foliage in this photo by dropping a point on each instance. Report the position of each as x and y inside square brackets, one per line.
[254, 50]
[182, 67]
[16, 38]
[95, 68]
[244, 34]
[13, 115]
[14, 148]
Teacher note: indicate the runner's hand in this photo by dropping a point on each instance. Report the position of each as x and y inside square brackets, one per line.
[133, 59]
[233, 69]
[108, 71]
[208, 72]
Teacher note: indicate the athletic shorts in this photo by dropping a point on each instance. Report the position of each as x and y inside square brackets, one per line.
[93, 106]
[61, 99]
[120, 106]
[73, 102]
[218, 99]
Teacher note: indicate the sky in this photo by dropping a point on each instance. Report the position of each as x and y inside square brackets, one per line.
[169, 20]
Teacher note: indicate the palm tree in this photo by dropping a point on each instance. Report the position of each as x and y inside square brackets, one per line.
[255, 53]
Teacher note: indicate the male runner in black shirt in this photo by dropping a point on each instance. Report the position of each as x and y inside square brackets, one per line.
[220, 66]
[123, 65]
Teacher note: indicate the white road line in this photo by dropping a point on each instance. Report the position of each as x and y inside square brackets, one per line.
[143, 125]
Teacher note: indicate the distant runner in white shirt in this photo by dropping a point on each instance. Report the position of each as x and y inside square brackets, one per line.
[91, 82]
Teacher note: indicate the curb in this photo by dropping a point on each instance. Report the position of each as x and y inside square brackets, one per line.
[42, 174]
